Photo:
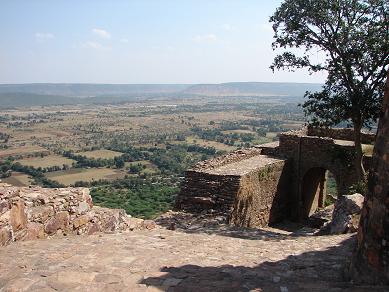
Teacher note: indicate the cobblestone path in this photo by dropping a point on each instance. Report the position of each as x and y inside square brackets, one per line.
[165, 260]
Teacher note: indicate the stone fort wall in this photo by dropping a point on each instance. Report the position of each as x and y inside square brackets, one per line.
[266, 183]
[245, 187]
[262, 198]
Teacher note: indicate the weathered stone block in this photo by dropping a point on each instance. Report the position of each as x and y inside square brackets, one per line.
[18, 217]
[4, 206]
[81, 221]
[59, 221]
[5, 235]
[41, 213]
[34, 231]
[83, 207]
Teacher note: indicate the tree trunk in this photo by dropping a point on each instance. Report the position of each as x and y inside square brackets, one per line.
[358, 151]
[370, 262]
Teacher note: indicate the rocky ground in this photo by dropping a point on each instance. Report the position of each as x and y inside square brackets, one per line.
[181, 254]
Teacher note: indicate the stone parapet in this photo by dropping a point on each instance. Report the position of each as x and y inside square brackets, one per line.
[35, 213]
[228, 158]
[340, 134]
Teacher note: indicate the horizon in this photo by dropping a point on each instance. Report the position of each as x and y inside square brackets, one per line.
[86, 83]
[140, 42]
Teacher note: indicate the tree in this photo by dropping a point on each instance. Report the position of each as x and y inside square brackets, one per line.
[119, 162]
[353, 37]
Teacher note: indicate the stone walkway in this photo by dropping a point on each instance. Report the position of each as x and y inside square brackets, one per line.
[244, 166]
[181, 260]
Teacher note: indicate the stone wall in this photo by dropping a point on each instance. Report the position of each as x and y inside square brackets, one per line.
[309, 153]
[250, 192]
[228, 158]
[35, 213]
[203, 191]
[262, 198]
[340, 134]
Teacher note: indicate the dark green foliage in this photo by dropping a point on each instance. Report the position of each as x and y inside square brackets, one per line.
[201, 149]
[353, 36]
[138, 198]
[130, 153]
[5, 169]
[119, 162]
[136, 168]
[359, 187]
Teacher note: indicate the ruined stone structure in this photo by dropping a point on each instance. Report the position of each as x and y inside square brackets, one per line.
[267, 183]
[371, 257]
[36, 213]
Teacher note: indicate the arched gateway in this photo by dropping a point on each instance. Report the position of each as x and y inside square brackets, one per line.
[270, 182]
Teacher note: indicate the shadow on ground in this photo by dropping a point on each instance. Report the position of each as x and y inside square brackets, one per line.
[310, 271]
[211, 224]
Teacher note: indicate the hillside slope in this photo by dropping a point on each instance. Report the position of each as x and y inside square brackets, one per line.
[253, 89]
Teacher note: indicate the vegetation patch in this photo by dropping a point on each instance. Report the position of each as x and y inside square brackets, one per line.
[143, 199]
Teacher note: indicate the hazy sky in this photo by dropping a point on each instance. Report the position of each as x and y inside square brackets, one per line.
[144, 41]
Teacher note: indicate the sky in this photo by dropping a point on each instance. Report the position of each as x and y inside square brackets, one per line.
[139, 42]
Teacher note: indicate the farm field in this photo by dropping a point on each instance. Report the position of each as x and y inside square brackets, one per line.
[103, 154]
[139, 148]
[18, 179]
[24, 150]
[46, 161]
[70, 177]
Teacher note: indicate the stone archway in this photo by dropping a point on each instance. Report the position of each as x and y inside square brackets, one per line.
[313, 191]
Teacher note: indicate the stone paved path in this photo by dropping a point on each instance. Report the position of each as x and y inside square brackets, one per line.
[165, 260]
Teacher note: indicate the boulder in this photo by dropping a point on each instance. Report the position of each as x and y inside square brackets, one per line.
[18, 218]
[346, 215]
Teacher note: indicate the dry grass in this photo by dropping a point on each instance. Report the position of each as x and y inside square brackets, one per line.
[206, 143]
[47, 161]
[104, 154]
[22, 150]
[69, 177]
[271, 135]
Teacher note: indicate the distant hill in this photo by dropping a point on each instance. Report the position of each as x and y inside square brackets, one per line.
[88, 90]
[16, 95]
[253, 89]
[16, 99]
